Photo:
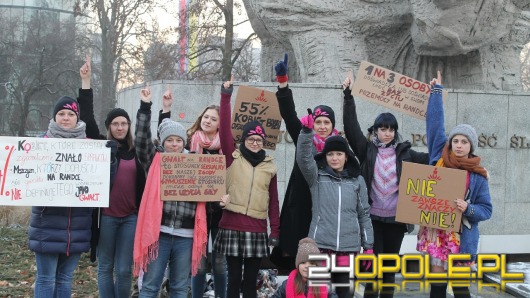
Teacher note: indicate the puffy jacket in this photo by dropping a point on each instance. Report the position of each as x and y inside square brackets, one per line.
[341, 213]
[60, 229]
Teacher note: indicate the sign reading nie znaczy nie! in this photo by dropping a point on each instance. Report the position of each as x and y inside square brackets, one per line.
[427, 194]
[192, 177]
[54, 172]
[392, 90]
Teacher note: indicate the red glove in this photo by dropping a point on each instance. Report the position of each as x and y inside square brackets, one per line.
[308, 120]
[366, 264]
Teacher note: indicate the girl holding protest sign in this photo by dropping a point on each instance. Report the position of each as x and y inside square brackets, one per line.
[457, 152]
[340, 223]
[381, 157]
[252, 186]
[296, 210]
[115, 234]
[167, 232]
[203, 138]
[58, 235]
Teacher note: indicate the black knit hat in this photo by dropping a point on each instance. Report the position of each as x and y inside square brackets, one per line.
[114, 113]
[338, 143]
[324, 111]
[66, 103]
[253, 128]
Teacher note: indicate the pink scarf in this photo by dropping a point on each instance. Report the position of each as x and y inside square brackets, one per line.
[290, 291]
[319, 142]
[149, 222]
[200, 140]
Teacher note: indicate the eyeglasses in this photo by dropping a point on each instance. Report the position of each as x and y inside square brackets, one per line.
[258, 141]
[119, 124]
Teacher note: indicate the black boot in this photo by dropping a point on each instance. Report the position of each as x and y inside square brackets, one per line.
[438, 290]
[461, 292]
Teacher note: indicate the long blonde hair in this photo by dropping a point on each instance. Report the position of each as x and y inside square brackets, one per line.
[197, 124]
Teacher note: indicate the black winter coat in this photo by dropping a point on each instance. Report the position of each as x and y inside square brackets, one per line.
[295, 217]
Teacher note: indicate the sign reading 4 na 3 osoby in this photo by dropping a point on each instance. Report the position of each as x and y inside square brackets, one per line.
[392, 90]
[254, 104]
[427, 194]
[54, 172]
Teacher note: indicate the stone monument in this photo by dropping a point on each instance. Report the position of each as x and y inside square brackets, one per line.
[476, 43]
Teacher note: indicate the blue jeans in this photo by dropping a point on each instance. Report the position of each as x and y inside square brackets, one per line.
[55, 274]
[198, 282]
[177, 251]
[115, 255]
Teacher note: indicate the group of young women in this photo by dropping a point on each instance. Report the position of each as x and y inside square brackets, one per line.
[341, 199]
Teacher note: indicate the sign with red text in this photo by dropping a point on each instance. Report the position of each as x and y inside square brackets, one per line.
[192, 177]
[392, 90]
[257, 104]
[54, 172]
[427, 195]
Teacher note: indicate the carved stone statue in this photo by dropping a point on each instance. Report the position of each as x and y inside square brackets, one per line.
[475, 43]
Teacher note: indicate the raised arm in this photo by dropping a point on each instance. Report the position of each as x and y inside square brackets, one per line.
[167, 102]
[304, 155]
[436, 138]
[352, 129]
[145, 150]
[284, 95]
[86, 102]
[225, 118]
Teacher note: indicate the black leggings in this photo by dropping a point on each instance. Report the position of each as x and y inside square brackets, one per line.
[387, 239]
[249, 278]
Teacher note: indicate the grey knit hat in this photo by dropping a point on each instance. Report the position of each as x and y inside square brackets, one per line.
[306, 247]
[468, 131]
[168, 128]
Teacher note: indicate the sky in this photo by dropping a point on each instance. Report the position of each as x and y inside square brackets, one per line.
[167, 16]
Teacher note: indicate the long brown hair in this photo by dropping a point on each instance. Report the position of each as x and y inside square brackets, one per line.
[128, 137]
[197, 124]
[299, 286]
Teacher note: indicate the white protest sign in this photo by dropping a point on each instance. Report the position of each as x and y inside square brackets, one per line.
[54, 172]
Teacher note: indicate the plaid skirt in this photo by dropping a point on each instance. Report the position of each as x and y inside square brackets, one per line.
[241, 244]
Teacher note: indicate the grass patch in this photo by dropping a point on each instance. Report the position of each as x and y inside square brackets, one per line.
[18, 270]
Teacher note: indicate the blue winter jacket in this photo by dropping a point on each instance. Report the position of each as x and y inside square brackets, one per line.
[479, 200]
[60, 229]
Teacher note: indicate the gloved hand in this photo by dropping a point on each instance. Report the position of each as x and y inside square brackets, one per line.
[273, 241]
[281, 69]
[308, 120]
[366, 264]
[113, 145]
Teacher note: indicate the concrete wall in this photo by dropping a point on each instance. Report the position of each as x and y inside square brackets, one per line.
[500, 118]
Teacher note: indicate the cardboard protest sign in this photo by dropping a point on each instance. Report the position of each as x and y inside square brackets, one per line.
[257, 104]
[392, 90]
[192, 177]
[54, 172]
[427, 194]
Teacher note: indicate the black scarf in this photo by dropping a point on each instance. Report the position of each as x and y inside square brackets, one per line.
[254, 158]
[123, 150]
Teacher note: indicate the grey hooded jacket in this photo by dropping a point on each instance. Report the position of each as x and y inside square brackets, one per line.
[341, 212]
